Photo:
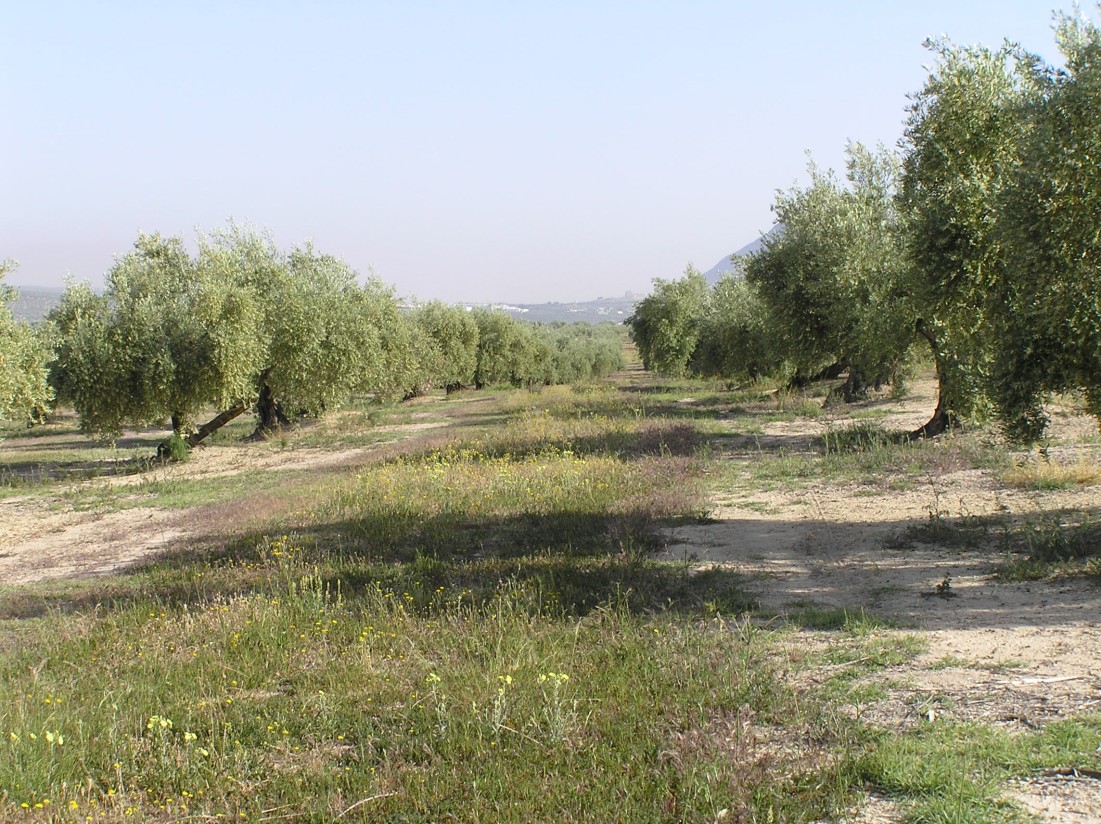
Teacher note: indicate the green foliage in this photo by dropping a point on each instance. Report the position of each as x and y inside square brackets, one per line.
[1049, 327]
[175, 449]
[169, 335]
[453, 335]
[324, 331]
[173, 334]
[962, 138]
[830, 277]
[508, 351]
[666, 325]
[857, 437]
[738, 335]
[985, 245]
[1003, 196]
[401, 358]
[24, 359]
[579, 352]
[293, 333]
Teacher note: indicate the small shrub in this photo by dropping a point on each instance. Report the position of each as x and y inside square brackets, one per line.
[1049, 539]
[965, 531]
[174, 449]
[858, 437]
[1025, 569]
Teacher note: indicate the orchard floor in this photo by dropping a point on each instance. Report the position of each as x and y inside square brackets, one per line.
[1012, 654]
[1016, 654]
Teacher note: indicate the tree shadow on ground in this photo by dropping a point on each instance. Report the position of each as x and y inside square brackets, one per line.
[571, 563]
[991, 571]
[38, 471]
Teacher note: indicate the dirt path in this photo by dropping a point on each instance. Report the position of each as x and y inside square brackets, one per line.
[46, 536]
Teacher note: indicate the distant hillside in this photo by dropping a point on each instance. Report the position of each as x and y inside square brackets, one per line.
[601, 310]
[715, 273]
[33, 303]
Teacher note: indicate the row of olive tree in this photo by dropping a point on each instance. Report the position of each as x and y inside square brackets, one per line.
[980, 241]
[239, 325]
[486, 347]
[244, 326]
[821, 297]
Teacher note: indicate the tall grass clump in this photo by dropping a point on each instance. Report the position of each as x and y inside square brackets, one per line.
[1047, 474]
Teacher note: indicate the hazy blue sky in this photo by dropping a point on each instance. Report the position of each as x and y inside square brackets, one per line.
[514, 151]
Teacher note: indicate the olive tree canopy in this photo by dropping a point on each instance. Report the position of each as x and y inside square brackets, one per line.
[831, 277]
[666, 324]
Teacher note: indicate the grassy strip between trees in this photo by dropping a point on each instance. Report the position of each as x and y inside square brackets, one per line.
[471, 631]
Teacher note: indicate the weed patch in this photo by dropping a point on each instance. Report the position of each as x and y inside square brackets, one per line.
[1046, 474]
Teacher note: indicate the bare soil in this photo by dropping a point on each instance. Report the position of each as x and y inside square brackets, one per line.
[46, 536]
[1016, 655]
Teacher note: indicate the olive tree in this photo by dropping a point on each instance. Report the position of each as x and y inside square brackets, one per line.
[323, 333]
[831, 277]
[665, 325]
[241, 325]
[24, 357]
[963, 139]
[410, 355]
[737, 336]
[508, 351]
[453, 332]
[1048, 328]
[166, 338]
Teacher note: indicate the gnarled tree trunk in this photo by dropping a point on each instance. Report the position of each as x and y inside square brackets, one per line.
[270, 416]
[216, 423]
[855, 388]
[943, 418]
[164, 450]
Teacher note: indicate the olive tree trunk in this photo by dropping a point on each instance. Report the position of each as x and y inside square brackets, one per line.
[943, 418]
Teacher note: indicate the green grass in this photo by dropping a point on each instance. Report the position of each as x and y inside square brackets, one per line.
[950, 771]
[428, 700]
[164, 490]
[856, 622]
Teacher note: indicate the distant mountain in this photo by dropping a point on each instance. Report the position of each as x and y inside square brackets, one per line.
[715, 273]
[33, 303]
[619, 309]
